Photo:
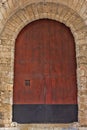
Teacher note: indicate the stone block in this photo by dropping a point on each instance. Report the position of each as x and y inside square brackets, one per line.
[69, 129]
[83, 8]
[79, 5]
[35, 10]
[3, 128]
[1, 115]
[3, 11]
[83, 128]
[57, 128]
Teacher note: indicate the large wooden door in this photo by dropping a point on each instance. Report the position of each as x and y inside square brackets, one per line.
[45, 89]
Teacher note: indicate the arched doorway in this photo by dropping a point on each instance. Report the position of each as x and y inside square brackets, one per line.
[45, 87]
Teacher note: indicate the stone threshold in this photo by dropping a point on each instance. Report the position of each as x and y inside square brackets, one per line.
[42, 128]
[39, 128]
[48, 126]
[10, 128]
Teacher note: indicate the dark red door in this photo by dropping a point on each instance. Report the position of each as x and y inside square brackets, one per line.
[45, 88]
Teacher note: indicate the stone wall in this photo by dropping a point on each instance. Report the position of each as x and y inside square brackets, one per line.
[14, 15]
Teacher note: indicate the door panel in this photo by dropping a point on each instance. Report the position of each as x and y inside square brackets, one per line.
[45, 113]
[45, 69]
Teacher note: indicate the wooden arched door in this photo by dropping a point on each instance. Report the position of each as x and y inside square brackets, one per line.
[45, 88]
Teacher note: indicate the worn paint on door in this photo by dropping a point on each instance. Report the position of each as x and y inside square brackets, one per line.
[45, 72]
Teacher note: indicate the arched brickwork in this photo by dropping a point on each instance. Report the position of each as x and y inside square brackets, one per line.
[26, 12]
[9, 7]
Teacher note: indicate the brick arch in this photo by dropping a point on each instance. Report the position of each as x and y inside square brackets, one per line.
[10, 7]
[31, 13]
[48, 10]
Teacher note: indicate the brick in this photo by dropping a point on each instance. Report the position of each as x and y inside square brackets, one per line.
[1, 115]
[79, 5]
[4, 12]
[30, 13]
[83, 8]
[35, 10]
[83, 128]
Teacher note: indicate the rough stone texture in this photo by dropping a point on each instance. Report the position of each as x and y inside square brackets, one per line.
[10, 128]
[14, 15]
[39, 128]
[45, 128]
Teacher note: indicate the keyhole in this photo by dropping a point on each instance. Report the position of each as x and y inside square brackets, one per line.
[27, 82]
